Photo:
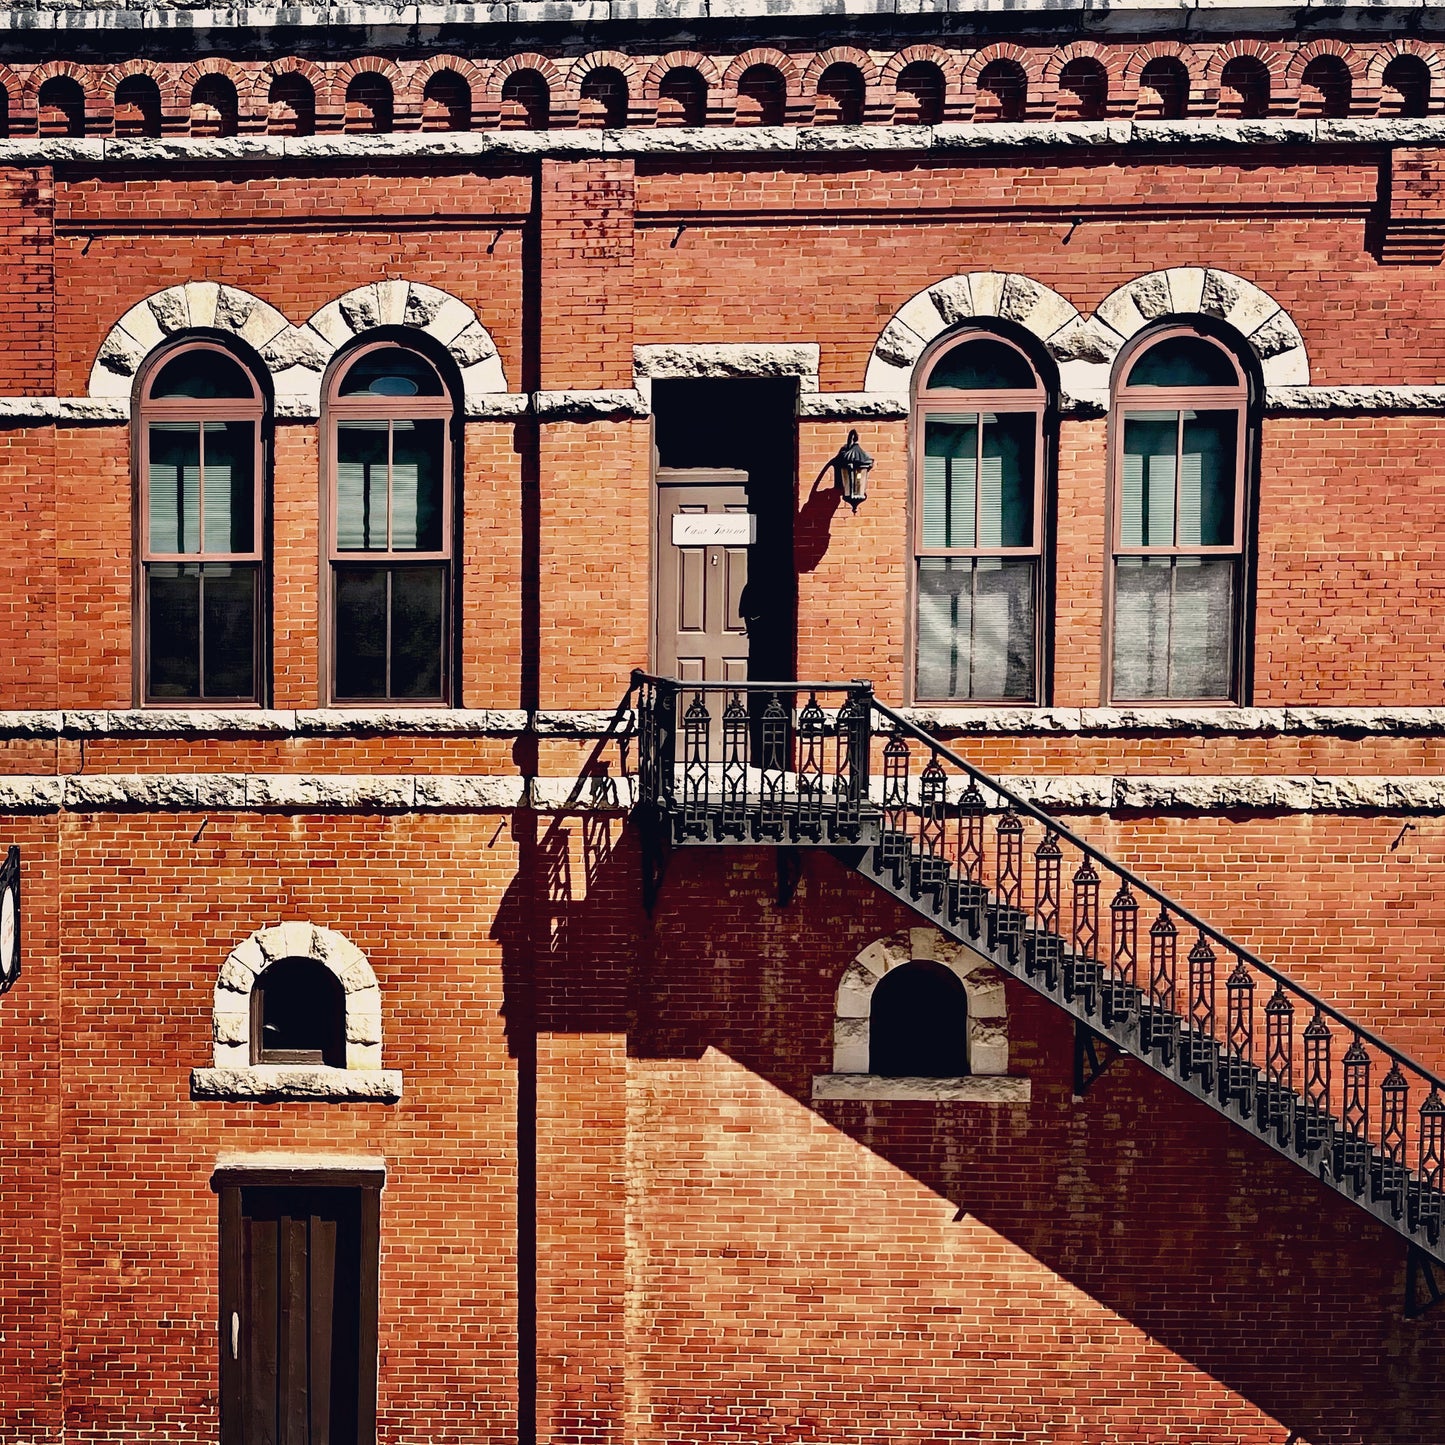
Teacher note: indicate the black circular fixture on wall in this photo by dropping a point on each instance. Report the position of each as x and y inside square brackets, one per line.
[9, 920]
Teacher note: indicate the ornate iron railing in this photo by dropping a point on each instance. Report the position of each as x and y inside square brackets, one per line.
[829, 765]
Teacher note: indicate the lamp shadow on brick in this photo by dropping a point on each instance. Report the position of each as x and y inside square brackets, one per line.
[1254, 1277]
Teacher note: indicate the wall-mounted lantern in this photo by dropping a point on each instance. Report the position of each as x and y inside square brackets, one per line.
[850, 471]
[9, 919]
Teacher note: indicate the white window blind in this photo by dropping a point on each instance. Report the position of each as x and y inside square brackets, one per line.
[950, 482]
[175, 487]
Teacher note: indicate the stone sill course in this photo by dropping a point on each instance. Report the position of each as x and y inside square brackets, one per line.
[972, 1089]
[270, 1083]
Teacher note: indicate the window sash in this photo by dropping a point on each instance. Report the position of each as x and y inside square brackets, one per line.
[391, 655]
[200, 501]
[199, 635]
[383, 504]
[1176, 628]
[977, 632]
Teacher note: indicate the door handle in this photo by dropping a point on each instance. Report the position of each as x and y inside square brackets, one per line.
[235, 1335]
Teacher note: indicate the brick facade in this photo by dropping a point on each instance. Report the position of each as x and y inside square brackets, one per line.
[614, 1210]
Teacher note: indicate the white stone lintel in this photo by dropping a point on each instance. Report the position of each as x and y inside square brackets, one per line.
[273, 1083]
[971, 1089]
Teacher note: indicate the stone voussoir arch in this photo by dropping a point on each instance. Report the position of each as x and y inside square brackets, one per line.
[297, 356]
[983, 985]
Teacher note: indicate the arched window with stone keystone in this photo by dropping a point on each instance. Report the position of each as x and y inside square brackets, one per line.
[296, 1014]
[918, 1016]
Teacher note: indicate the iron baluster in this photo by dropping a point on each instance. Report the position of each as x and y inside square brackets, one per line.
[696, 733]
[932, 861]
[1200, 1049]
[733, 822]
[969, 894]
[1008, 914]
[1276, 1108]
[1121, 987]
[812, 731]
[1352, 1148]
[1237, 1075]
[1428, 1209]
[1082, 969]
[850, 775]
[774, 774]
[893, 842]
[1045, 946]
[1159, 1023]
[1394, 1128]
[1315, 1125]
[664, 744]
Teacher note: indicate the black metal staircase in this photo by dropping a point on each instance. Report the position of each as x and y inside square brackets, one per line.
[793, 765]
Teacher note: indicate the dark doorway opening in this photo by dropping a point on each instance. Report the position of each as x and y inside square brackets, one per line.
[748, 426]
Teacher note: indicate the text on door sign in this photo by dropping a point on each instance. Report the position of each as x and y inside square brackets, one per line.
[726, 529]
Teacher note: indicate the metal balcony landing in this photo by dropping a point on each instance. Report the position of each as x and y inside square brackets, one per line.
[826, 765]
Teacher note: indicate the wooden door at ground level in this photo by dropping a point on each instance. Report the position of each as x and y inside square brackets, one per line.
[298, 1316]
[704, 530]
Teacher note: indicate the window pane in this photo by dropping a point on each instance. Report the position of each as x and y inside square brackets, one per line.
[982, 365]
[1174, 627]
[1006, 492]
[976, 628]
[416, 485]
[230, 487]
[1146, 501]
[202, 373]
[173, 615]
[417, 595]
[950, 460]
[229, 615]
[361, 632]
[175, 486]
[1183, 361]
[361, 485]
[391, 371]
[1207, 479]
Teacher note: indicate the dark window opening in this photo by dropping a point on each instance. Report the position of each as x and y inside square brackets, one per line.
[682, 98]
[1326, 88]
[920, 91]
[137, 107]
[1244, 89]
[4, 112]
[604, 99]
[1408, 76]
[291, 106]
[1163, 90]
[298, 1015]
[215, 107]
[369, 104]
[1002, 92]
[840, 96]
[526, 101]
[62, 107]
[446, 102]
[918, 1023]
[1083, 90]
[762, 96]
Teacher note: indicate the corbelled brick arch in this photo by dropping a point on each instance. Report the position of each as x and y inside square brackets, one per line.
[717, 111]
[582, 67]
[798, 110]
[948, 64]
[259, 100]
[875, 104]
[296, 356]
[164, 76]
[1433, 60]
[1084, 348]
[1348, 55]
[474, 74]
[241, 76]
[1281, 97]
[1195, 63]
[1030, 61]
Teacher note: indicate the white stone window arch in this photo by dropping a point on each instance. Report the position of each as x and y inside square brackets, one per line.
[988, 1080]
[233, 1075]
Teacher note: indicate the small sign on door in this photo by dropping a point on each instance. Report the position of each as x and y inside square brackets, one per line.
[715, 529]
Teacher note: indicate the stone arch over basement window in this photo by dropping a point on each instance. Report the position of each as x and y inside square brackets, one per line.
[1084, 348]
[297, 356]
[983, 1050]
[237, 1070]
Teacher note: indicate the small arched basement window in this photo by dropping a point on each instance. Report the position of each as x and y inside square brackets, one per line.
[298, 1015]
[978, 506]
[919, 1023]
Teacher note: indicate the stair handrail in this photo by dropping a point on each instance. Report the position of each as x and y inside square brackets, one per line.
[1092, 850]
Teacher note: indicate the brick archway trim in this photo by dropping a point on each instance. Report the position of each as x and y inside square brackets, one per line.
[296, 356]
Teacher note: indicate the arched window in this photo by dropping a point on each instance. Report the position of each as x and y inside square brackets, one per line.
[137, 107]
[291, 106]
[4, 111]
[840, 95]
[918, 1023]
[919, 94]
[62, 107]
[1244, 88]
[1002, 92]
[1178, 434]
[215, 108]
[1163, 89]
[298, 1015]
[390, 522]
[446, 102]
[1326, 87]
[978, 501]
[202, 488]
[369, 104]
[604, 99]
[526, 101]
[682, 97]
[762, 96]
[1083, 90]
[1408, 77]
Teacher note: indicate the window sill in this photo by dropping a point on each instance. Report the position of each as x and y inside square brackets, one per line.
[271, 1083]
[972, 1089]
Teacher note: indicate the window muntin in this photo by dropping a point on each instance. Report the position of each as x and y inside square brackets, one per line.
[201, 529]
[390, 528]
[1179, 433]
[978, 501]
